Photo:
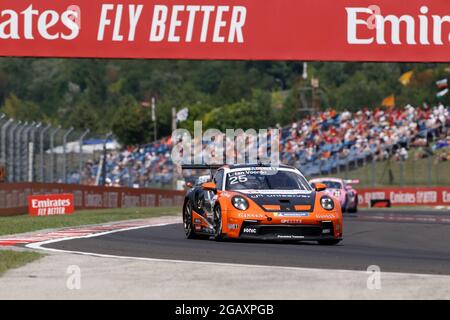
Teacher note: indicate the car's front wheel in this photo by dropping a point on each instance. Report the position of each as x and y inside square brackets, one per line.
[187, 222]
[218, 235]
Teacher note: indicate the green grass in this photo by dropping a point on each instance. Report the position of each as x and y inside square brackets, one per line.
[25, 223]
[412, 172]
[15, 259]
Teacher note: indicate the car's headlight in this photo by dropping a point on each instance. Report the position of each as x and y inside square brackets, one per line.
[239, 203]
[327, 203]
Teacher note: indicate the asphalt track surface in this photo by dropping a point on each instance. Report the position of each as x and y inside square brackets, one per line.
[411, 247]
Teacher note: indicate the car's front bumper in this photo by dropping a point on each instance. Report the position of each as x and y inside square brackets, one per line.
[288, 232]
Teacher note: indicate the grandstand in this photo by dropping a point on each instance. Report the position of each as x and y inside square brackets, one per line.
[327, 143]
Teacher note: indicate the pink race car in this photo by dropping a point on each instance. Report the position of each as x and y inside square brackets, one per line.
[342, 190]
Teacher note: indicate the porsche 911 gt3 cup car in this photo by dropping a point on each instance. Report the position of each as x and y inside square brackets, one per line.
[342, 190]
[261, 202]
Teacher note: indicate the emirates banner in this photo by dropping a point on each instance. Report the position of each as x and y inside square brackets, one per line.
[420, 196]
[383, 30]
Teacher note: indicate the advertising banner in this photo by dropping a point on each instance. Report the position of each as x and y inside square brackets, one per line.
[344, 30]
[14, 197]
[424, 196]
[50, 204]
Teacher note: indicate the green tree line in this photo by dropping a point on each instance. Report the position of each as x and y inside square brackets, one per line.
[105, 95]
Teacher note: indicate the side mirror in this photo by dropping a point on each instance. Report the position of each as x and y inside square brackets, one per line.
[320, 187]
[189, 184]
[209, 186]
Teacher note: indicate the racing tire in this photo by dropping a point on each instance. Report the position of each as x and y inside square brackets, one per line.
[353, 210]
[328, 242]
[218, 235]
[344, 206]
[187, 223]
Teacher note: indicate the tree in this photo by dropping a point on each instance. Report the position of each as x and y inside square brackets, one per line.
[132, 123]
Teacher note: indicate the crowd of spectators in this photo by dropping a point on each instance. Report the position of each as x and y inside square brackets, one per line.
[321, 143]
[316, 144]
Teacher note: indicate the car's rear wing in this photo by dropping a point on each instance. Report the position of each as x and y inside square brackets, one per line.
[201, 166]
[352, 181]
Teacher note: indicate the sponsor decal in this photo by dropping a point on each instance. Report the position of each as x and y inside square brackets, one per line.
[279, 236]
[249, 230]
[326, 216]
[291, 214]
[251, 215]
[291, 221]
[49, 205]
[197, 221]
[233, 226]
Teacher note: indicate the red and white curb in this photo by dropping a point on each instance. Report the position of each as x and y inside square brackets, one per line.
[72, 233]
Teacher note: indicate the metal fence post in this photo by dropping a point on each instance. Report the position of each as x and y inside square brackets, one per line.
[18, 152]
[11, 162]
[52, 154]
[68, 132]
[31, 148]
[3, 151]
[25, 152]
[80, 141]
[109, 135]
[41, 152]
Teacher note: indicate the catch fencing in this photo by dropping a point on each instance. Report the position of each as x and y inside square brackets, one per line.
[37, 152]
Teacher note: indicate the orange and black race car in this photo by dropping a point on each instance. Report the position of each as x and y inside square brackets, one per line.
[260, 202]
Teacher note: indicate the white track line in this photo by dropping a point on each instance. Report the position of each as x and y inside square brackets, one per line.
[39, 246]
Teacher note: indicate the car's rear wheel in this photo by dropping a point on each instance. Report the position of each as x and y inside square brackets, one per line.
[187, 222]
[218, 235]
[354, 209]
[329, 242]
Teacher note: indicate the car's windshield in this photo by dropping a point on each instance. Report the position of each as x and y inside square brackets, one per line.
[266, 180]
[332, 184]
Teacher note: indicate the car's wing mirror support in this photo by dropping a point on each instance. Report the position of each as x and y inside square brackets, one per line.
[209, 186]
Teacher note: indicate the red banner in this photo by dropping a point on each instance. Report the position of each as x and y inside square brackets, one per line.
[50, 204]
[14, 196]
[425, 196]
[365, 30]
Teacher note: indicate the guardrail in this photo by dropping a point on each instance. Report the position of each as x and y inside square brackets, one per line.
[13, 196]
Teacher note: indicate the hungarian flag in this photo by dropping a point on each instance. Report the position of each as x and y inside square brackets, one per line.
[442, 93]
[442, 84]
[389, 102]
